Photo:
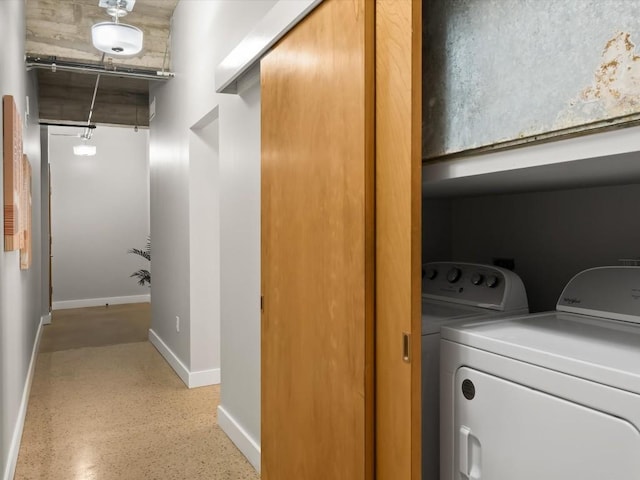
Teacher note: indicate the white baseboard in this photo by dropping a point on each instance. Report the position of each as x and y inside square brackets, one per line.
[16, 438]
[240, 437]
[200, 378]
[171, 358]
[46, 319]
[203, 378]
[99, 302]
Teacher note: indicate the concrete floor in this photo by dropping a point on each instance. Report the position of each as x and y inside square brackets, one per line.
[105, 405]
[96, 327]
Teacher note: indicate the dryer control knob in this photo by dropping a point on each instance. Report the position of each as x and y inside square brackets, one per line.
[454, 275]
[492, 281]
[431, 273]
[477, 278]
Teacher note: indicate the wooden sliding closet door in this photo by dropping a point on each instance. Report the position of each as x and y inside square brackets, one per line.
[398, 238]
[317, 96]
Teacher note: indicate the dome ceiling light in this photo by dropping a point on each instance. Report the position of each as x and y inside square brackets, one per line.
[115, 38]
[84, 149]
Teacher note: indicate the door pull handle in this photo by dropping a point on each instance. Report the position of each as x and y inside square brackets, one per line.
[406, 347]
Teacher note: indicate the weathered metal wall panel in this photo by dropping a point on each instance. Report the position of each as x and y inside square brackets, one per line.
[502, 70]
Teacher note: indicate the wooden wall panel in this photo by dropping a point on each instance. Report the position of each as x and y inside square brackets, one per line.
[12, 169]
[317, 247]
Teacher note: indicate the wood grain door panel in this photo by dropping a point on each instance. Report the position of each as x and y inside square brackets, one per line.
[318, 247]
[398, 237]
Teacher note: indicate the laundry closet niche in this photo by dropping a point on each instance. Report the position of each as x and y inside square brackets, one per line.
[549, 221]
[530, 153]
[499, 78]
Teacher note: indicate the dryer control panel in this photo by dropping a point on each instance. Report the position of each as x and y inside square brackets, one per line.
[479, 285]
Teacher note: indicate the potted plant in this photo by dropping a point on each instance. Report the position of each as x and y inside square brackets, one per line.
[143, 276]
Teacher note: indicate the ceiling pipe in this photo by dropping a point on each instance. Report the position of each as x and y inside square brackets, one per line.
[68, 124]
[111, 70]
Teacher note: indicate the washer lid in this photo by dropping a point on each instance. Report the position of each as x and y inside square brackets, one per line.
[437, 313]
[596, 349]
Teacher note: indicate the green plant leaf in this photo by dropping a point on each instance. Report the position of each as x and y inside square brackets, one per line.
[143, 276]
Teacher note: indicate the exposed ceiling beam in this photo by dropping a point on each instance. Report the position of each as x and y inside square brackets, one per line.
[66, 96]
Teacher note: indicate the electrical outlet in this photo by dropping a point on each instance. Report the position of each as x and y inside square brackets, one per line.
[177, 324]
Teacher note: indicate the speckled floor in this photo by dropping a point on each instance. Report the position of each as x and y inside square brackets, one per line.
[96, 327]
[120, 412]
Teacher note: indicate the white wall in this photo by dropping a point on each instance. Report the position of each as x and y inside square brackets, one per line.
[203, 33]
[240, 261]
[21, 308]
[99, 210]
[204, 243]
[44, 223]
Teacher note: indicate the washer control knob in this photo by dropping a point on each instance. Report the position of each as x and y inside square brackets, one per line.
[492, 281]
[454, 275]
[477, 278]
[431, 273]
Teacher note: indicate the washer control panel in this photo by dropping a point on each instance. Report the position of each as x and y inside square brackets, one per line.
[609, 292]
[472, 284]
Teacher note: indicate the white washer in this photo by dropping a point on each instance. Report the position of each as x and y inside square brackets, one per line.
[453, 292]
[551, 396]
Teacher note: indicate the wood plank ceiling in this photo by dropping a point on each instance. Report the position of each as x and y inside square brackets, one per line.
[60, 31]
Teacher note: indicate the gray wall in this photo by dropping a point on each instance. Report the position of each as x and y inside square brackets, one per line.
[182, 104]
[204, 188]
[240, 258]
[99, 210]
[436, 232]
[21, 308]
[550, 235]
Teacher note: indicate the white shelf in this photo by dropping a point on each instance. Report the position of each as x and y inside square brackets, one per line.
[606, 158]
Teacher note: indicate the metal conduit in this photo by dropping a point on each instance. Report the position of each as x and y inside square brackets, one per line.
[66, 66]
[87, 131]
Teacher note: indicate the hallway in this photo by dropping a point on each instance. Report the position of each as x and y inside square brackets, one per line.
[104, 404]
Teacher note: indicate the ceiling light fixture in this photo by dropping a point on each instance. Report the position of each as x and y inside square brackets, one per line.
[116, 11]
[84, 149]
[117, 38]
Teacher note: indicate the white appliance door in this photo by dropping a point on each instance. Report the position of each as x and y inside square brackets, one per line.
[505, 431]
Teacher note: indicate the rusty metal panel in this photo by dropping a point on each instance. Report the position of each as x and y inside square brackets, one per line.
[502, 72]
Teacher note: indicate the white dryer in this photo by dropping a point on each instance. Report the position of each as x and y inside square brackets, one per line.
[553, 396]
[453, 292]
